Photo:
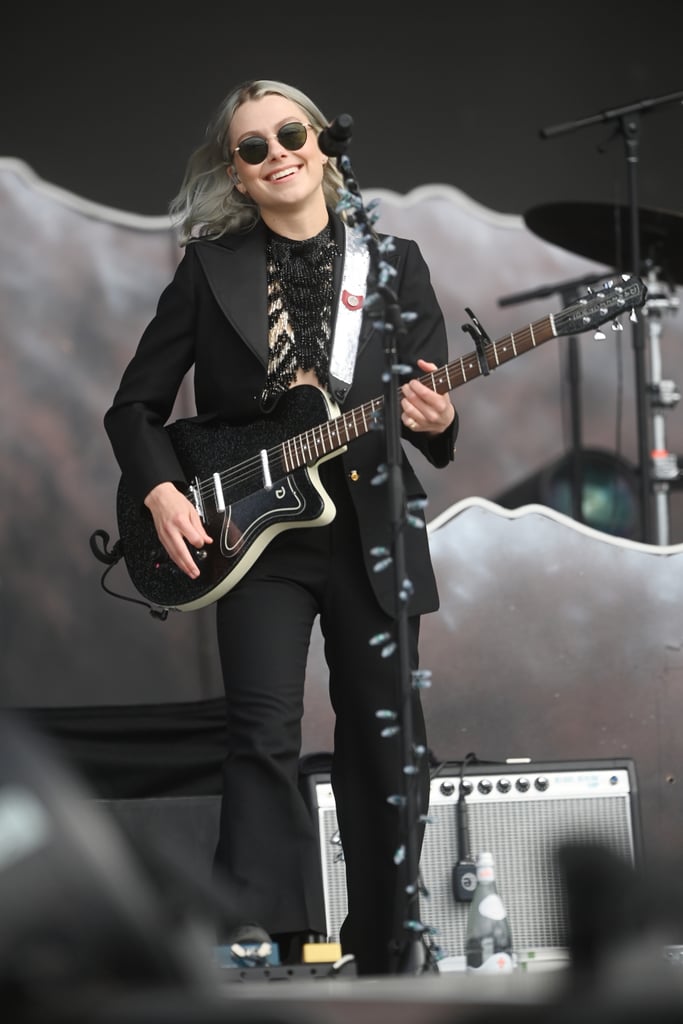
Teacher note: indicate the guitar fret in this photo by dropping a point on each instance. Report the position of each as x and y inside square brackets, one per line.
[463, 370]
[513, 342]
[307, 450]
[494, 346]
[533, 339]
[316, 441]
[289, 452]
[375, 405]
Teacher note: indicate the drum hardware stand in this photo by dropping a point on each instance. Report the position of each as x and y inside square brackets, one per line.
[574, 369]
[664, 396]
[569, 292]
[628, 119]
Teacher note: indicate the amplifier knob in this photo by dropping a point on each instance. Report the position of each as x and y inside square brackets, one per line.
[485, 786]
[503, 786]
[447, 788]
[522, 784]
[541, 783]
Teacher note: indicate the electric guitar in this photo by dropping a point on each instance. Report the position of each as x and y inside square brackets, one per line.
[253, 481]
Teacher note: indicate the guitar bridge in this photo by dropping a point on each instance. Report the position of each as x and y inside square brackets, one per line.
[196, 498]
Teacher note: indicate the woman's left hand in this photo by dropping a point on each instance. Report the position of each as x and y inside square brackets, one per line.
[424, 410]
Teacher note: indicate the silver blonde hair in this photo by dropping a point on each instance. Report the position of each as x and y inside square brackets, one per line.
[208, 203]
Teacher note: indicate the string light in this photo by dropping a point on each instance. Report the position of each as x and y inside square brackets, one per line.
[396, 800]
[421, 678]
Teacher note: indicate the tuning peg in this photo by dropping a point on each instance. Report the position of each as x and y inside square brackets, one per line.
[616, 326]
[633, 318]
[599, 335]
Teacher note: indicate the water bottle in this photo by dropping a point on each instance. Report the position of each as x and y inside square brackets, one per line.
[488, 939]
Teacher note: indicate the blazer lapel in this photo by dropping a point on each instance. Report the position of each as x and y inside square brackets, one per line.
[235, 268]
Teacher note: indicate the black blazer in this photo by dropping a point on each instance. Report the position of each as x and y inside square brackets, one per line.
[213, 317]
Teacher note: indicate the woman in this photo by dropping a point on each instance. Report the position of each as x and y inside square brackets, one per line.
[252, 309]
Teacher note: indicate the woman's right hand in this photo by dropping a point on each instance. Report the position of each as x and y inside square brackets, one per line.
[177, 521]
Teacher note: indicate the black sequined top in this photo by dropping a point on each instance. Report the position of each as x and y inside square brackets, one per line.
[300, 298]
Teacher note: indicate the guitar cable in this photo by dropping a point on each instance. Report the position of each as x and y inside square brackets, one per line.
[99, 545]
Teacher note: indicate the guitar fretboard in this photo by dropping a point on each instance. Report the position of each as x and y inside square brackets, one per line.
[334, 433]
[328, 437]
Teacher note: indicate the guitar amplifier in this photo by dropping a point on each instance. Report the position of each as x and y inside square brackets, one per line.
[523, 813]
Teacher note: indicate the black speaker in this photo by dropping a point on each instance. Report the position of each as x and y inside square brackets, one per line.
[524, 814]
[185, 826]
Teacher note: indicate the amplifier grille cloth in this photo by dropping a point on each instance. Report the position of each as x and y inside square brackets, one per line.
[523, 837]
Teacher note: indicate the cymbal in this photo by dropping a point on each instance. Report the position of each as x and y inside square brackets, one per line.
[602, 233]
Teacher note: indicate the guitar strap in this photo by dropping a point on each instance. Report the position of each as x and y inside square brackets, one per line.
[349, 313]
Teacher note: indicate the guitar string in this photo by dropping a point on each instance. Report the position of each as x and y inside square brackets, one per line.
[252, 468]
[495, 353]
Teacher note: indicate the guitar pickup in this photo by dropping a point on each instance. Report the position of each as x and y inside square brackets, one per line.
[265, 467]
[218, 490]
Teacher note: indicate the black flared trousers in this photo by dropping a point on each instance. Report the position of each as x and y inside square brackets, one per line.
[267, 852]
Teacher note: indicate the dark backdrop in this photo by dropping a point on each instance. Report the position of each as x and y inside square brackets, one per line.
[109, 105]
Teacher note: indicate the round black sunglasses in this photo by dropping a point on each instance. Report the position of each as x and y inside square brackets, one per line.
[292, 136]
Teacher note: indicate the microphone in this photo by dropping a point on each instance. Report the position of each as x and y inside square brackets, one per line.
[334, 139]
[465, 871]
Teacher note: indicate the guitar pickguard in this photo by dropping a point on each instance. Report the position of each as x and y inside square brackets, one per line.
[245, 519]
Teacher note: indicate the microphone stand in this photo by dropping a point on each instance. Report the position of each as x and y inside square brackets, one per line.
[628, 118]
[382, 304]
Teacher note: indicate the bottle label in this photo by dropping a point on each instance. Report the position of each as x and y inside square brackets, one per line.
[497, 963]
[492, 906]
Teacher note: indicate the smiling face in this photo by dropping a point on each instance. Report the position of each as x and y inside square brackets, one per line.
[287, 184]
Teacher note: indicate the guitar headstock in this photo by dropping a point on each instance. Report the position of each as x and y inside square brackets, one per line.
[615, 297]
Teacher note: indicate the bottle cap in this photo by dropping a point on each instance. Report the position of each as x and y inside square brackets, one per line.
[485, 859]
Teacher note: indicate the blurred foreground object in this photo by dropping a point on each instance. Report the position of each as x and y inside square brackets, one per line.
[80, 912]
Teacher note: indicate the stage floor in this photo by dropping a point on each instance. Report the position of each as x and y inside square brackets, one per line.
[547, 997]
[426, 999]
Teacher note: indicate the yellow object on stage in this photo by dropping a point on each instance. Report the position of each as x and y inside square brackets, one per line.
[321, 952]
